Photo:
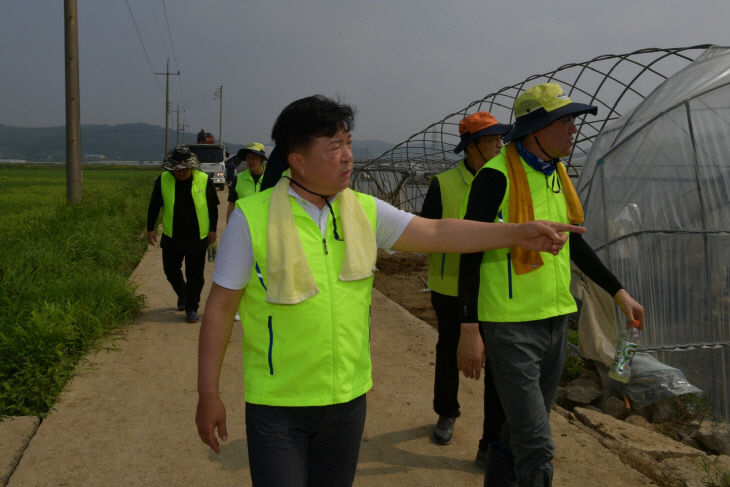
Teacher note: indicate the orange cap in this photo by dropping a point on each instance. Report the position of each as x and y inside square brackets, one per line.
[477, 125]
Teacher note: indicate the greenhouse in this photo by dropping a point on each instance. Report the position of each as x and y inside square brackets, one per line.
[656, 194]
[653, 172]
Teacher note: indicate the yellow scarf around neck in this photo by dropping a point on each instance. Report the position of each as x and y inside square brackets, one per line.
[521, 209]
[290, 279]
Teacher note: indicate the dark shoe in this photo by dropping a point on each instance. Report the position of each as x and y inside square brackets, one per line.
[500, 466]
[444, 430]
[192, 317]
[481, 459]
[181, 305]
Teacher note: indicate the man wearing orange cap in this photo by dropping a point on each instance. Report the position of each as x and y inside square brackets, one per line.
[481, 138]
[519, 301]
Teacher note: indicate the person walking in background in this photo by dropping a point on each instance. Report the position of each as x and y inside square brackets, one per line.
[303, 289]
[519, 299]
[189, 219]
[248, 181]
[481, 139]
[231, 165]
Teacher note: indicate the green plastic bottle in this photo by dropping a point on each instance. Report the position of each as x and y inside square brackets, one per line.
[626, 346]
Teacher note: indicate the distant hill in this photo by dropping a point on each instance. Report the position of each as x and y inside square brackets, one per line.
[126, 142]
[363, 150]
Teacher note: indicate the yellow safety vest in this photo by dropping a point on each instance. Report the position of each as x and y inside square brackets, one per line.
[245, 185]
[443, 269]
[543, 293]
[316, 352]
[200, 183]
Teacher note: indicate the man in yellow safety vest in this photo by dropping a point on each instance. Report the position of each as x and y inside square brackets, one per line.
[247, 181]
[516, 302]
[189, 206]
[303, 287]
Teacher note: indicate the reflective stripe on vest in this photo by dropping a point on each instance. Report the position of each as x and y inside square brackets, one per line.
[443, 269]
[316, 352]
[199, 186]
[543, 293]
[245, 185]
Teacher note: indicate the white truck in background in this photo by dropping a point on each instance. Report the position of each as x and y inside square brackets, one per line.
[212, 159]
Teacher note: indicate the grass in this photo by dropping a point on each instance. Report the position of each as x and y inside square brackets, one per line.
[574, 364]
[63, 274]
[714, 477]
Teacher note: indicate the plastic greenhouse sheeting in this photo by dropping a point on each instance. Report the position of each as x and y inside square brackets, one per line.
[656, 194]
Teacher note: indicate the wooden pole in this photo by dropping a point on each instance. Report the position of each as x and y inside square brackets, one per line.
[167, 102]
[73, 111]
[220, 117]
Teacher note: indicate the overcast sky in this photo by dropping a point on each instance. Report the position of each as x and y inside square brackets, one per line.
[403, 64]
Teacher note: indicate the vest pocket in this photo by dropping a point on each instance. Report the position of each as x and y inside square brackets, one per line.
[271, 347]
[509, 274]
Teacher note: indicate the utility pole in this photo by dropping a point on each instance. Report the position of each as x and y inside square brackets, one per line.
[177, 125]
[167, 74]
[73, 111]
[180, 126]
[220, 114]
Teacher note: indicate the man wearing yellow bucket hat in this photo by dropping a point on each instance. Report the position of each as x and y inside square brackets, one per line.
[247, 181]
[519, 300]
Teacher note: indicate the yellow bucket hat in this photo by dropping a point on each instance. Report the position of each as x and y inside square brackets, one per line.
[254, 148]
[539, 106]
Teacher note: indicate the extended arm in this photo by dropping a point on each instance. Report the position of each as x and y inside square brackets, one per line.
[214, 335]
[452, 235]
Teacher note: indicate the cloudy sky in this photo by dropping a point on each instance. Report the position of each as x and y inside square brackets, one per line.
[402, 63]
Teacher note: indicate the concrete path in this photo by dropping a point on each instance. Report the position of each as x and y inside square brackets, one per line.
[127, 417]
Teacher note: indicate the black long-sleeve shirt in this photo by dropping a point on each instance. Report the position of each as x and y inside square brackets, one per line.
[432, 207]
[185, 220]
[487, 192]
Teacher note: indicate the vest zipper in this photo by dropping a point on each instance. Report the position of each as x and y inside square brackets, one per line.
[271, 347]
[509, 274]
[333, 315]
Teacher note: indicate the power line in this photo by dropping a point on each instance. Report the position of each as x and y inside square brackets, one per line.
[200, 99]
[172, 48]
[169, 35]
[139, 36]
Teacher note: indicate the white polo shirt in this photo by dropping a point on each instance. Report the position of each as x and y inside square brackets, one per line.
[235, 252]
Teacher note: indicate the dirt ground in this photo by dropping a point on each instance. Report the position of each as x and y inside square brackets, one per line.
[127, 417]
[402, 277]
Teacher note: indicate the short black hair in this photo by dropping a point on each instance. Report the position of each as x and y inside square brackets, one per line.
[310, 117]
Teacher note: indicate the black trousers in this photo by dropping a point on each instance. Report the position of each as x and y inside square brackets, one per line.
[446, 380]
[193, 253]
[304, 446]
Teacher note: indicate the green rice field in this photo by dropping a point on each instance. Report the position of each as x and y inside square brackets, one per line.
[64, 273]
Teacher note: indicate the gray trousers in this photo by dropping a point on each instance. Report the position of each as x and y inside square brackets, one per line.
[526, 360]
